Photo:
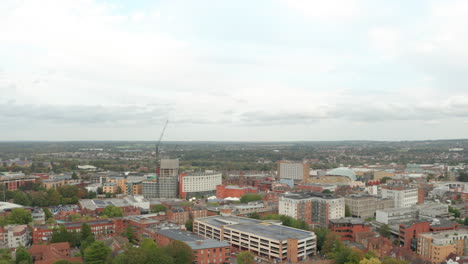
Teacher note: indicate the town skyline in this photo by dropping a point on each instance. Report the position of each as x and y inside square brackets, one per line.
[277, 70]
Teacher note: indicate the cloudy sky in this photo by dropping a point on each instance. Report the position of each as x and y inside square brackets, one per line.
[233, 70]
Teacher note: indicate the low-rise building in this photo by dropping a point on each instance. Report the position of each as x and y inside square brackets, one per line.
[396, 215]
[177, 215]
[436, 247]
[347, 228]
[408, 233]
[267, 239]
[45, 254]
[13, 236]
[105, 227]
[365, 206]
[205, 250]
[261, 208]
[199, 184]
[225, 191]
[38, 216]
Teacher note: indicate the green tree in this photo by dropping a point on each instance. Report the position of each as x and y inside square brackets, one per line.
[189, 225]
[158, 208]
[465, 222]
[385, 179]
[250, 197]
[112, 211]
[54, 197]
[22, 256]
[332, 244]
[321, 234]
[245, 257]
[97, 253]
[91, 195]
[390, 260]
[86, 231]
[61, 234]
[129, 233]
[384, 231]
[254, 215]
[5, 256]
[370, 261]
[455, 211]
[21, 198]
[39, 198]
[19, 216]
[180, 252]
[74, 176]
[48, 213]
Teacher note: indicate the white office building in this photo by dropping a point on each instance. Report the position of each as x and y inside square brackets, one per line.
[402, 198]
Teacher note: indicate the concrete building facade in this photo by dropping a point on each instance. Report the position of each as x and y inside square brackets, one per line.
[199, 184]
[293, 170]
[266, 239]
[365, 206]
[403, 197]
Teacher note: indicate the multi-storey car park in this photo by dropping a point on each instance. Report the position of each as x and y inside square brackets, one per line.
[268, 239]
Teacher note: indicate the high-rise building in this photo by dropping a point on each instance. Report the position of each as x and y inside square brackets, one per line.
[166, 185]
[312, 208]
[169, 168]
[293, 170]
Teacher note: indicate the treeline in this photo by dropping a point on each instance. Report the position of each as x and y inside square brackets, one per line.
[36, 195]
[147, 252]
[330, 245]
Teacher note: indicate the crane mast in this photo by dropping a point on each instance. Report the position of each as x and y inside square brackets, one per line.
[157, 146]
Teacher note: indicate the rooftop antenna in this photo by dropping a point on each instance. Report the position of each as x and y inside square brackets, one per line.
[158, 144]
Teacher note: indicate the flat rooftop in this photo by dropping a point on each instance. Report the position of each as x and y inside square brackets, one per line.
[307, 195]
[193, 240]
[348, 220]
[262, 228]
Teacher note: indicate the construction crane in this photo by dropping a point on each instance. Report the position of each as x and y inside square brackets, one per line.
[158, 144]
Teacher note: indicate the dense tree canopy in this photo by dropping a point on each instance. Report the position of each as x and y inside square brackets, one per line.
[112, 211]
[250, 197]
[245, 257]
[97, 253]
[158, 208]
[19, 216]
[22, 256]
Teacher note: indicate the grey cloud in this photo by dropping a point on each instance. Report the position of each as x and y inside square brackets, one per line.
[81, 114]
[268, 118]
[362, 112]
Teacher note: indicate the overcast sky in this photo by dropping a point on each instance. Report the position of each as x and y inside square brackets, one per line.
[233, 70]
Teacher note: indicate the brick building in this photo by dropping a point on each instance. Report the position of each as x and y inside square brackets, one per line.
[436, 247]
[178, 215]
[312, 208]
[106, 227]
[409, 231]
[205, 250]
[223, 191]
[47, 254]
[348, 227]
